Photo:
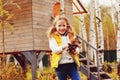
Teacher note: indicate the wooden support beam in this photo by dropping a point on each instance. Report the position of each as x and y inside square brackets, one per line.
[31, 56]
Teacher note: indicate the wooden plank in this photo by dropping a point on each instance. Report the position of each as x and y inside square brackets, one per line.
[15, 40]
[18, 31]
[9, 45]
[25, 34]
[18, 42]
[43, 48]
[44, 2]
[20, 45]
[17, 48]
[41, 24]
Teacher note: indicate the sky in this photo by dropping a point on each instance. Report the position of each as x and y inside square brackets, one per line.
[102, 2]
[113, 4]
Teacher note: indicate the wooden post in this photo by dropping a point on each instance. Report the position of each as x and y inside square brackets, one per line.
[33, 59]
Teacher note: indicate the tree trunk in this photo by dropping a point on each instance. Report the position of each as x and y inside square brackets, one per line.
[118, 34]
[83, 30]
[92, 32]
[62, 7]
[100, 32]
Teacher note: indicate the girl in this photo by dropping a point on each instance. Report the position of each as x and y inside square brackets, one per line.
[65, 64]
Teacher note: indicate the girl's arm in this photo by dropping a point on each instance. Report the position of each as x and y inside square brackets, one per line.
[77, 50]
[54, 46]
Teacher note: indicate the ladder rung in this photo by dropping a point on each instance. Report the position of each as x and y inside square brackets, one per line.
[107, 79]
[92, 65]
[83, 59]
[97, 73]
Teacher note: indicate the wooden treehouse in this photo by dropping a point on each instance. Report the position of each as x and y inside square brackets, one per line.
[29, 39]
[31, 22]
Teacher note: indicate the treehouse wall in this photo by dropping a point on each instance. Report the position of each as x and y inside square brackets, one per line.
[21, 38]
[31, 23]
[42, 13]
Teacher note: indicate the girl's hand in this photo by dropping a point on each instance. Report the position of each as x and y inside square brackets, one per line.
[64, 47]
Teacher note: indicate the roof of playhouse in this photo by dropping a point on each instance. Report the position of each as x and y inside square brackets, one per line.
[78, 7]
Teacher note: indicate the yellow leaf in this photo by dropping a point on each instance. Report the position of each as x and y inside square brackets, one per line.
[1, 9]
[1, 26]
[6, 13]
[28, 76]
[13, 3]
[9, 17]
[1, 13]
[9, 25]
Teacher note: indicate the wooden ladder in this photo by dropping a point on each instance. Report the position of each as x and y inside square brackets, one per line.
[91, 70]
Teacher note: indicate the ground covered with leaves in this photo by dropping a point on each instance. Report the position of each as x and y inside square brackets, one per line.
[14, 72]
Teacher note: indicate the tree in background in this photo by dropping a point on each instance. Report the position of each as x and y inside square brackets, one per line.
[92, 33]
[108, 30]
[5, 17]
[99, 32]
[118, 32]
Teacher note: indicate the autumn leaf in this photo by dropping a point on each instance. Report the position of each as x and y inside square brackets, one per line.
[1, 9]
[9, 25]
[9, 17]
[1, 26]
[11, 2]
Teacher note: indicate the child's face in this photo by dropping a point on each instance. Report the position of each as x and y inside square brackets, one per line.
[61, 26]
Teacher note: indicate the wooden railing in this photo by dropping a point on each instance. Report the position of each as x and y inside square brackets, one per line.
[88, 45]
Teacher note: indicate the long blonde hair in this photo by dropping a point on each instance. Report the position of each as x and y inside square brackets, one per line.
[53, 30]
